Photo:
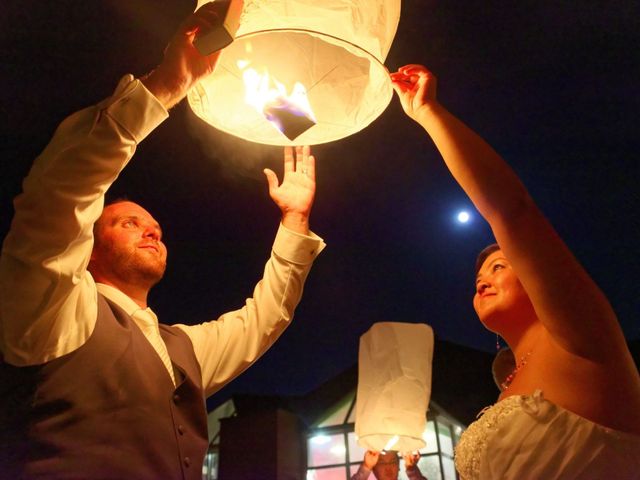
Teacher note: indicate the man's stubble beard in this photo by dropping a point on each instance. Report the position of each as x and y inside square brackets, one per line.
[132, 268]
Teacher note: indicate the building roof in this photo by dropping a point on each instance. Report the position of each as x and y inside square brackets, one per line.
[461, 384]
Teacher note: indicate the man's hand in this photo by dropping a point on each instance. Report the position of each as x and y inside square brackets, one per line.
[416, 88]
[410, 459]
[370, 459]
[295, 195]
[183, 65]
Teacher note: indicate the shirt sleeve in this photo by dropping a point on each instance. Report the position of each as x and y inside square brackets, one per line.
[48, 304]
[228, 346]
[413, 473]
[362, 473]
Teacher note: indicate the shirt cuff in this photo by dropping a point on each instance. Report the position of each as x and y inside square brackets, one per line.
[297, 248]
[134, 108]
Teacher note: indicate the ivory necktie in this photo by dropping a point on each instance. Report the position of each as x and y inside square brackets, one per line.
[148, 323]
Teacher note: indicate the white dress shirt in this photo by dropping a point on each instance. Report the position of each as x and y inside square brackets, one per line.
[48, 300]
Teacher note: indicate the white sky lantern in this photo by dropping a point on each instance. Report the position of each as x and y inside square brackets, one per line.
[394, 386]
[316, 65]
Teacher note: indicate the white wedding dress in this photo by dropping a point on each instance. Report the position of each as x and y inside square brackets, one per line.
[527, 437]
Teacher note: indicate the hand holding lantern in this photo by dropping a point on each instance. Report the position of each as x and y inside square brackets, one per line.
[410, 459]
[183, 65]
[416, 88]
[371, 458]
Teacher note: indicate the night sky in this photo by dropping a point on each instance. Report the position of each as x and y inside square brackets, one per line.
[552, 85]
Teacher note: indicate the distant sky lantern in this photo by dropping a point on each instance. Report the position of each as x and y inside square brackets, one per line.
[394, 386]
[301, 71]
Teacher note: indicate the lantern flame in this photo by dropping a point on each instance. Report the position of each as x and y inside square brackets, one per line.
[289, 113]
[391, 443]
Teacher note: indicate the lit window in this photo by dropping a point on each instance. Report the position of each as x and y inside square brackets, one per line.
[429, 437]
[335, 473]
[444, 436]
[329, 450]
[356, 452]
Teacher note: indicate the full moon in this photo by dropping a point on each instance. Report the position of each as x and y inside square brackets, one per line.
[463, 217]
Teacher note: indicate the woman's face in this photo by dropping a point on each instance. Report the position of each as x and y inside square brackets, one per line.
[499, 294]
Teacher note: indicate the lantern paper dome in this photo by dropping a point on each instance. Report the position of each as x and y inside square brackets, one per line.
[334, 48]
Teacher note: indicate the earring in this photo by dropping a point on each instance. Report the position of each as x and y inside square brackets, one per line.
[498, 343]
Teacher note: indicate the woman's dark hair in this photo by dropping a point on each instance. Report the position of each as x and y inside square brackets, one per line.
[482, 256]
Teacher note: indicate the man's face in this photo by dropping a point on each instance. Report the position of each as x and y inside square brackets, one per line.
[387, 467]
[128, 246]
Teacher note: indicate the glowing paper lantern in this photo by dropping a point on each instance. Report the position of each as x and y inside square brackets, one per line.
[394, 386]
[328, 54]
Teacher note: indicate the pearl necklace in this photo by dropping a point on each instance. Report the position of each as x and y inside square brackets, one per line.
[507, 381]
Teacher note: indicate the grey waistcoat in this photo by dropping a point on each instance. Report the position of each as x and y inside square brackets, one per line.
[108, 410]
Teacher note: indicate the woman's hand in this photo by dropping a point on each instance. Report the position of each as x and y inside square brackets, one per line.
[416, 88]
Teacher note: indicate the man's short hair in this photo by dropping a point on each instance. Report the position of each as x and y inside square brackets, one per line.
[108, 202]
